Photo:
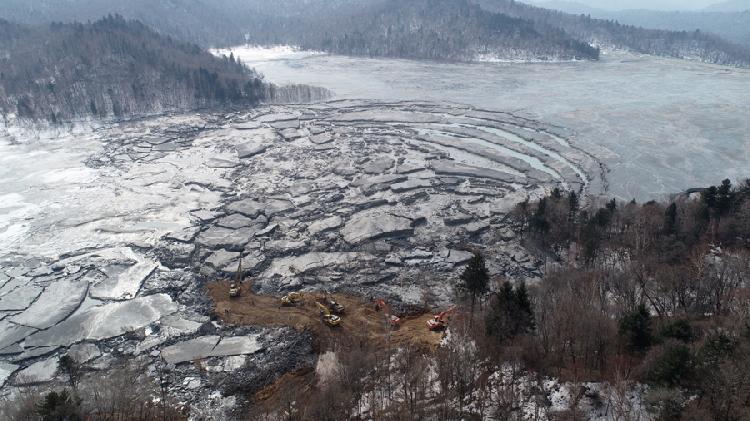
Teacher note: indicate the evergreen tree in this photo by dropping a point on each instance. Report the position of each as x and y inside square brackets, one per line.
[475, 277]
[670, 219]
[59, 407]
[636, 328]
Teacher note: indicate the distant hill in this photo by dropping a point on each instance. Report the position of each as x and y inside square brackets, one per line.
[680, 44]
[440, 29]
[433, 29]
[114, 68]
[732, 26]
[730, 6]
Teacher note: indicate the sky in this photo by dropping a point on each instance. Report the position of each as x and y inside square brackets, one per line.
[641, 4]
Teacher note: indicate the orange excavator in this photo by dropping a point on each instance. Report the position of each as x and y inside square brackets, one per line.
[440, 321]
[393, 321]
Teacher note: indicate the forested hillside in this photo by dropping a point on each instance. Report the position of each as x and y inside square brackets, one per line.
[409, 28]
[685, 44]
[114, 68]
[435, 29]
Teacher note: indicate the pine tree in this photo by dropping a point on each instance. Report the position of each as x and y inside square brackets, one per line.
[475, 278]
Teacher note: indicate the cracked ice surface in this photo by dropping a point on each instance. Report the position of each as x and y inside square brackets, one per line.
[107, 234]
[106, 321]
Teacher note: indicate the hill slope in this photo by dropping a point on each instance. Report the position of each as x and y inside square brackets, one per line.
[113, 68]
[732, 26]
[443, 29]
[695, 45]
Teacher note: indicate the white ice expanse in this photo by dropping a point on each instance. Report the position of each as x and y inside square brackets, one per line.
[661, 125]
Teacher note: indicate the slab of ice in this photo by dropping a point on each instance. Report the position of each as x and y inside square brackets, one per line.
[84, 352]
[11, 333]
[56, 302]
[105, 321]
[326, 224]
[374, 225]
[39, 372]
[210, 346]
[6, 369]
[20, 298]
[294, 265]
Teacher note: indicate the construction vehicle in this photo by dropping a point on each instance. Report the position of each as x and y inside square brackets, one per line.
[329, 319]
[292, 299]
[440, 321]
[332, 305]
[393, 321]
[234, 287]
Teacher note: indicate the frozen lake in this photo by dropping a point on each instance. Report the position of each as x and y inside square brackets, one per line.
[661, 125]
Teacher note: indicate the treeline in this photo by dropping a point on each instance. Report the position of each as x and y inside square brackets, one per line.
[609, 33]
[121, 394]
[433, 29]
[442, 29]
[116, 68]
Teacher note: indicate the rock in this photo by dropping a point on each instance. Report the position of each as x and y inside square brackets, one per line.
[326, 224]
[246, 125]
[371, 226]
[56, 302]
[378, 165]
[84, 352]
[234, 363]
[185, 235]
[192, 383]
[285, 246]
[105, 321]
[322, 138]
[6, 370]
[411, 184]
[267, 230]
[235, 221]
[457, 257]
[252, 207]
[39, 372]
[205, 215]
[227, 261]
[221, 259]
[477, 227]
[521, 257]
[218, 237]
[221, 163]
[11, 333]
[507, 234]
[458, 219]
[286, 124]
[250, 149]
[210, 346]
[393, 260]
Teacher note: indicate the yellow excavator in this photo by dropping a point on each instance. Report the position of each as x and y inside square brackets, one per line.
[292, 299]
[329, 319]
[234, 287]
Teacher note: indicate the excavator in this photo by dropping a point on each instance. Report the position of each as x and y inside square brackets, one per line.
[292, 299]
[440, 321]
[234, 287]
[329, 319]
[332, 305]
[393, 321]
